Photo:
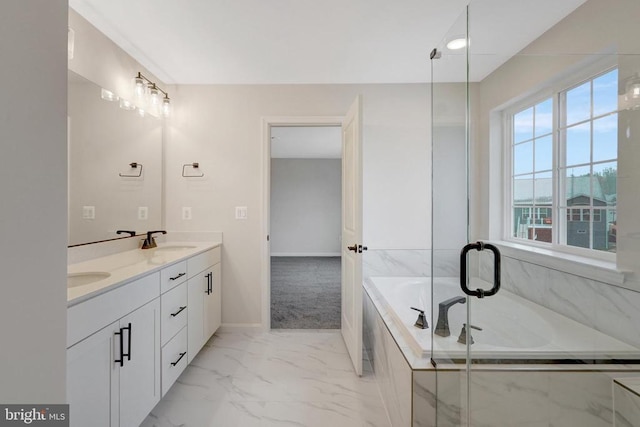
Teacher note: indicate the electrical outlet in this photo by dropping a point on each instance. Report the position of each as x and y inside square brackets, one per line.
[143, 213]
[241, 212]
[186, 212]
[88, 212]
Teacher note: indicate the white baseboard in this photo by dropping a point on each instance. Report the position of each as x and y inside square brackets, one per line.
[305, 254]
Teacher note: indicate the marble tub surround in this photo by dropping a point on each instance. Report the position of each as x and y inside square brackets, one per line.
[626, 402]
[126, 266]
[292, 378]
[610, 309]
[501, 394]
[410, 262]
[513, 327]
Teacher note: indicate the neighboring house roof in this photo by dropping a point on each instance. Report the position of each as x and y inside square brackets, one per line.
[577, 186]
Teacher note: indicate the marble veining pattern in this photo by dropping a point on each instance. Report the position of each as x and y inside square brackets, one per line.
[292, 378]
[626, 402]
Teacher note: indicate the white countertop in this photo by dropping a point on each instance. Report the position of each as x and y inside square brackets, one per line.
[126, 266]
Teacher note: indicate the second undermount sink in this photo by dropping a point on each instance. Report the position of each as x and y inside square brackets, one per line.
[173, 247]
[80, 279]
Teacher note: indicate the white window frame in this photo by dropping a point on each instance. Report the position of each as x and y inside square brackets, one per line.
[553, 91]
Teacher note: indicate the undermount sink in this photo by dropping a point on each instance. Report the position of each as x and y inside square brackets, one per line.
[80, 279]
[174, 248]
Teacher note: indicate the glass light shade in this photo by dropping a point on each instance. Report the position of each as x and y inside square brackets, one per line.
[107, 95]
[139, 88]
[154, 95]
[140, 112]
[126, 105]
[166, 107]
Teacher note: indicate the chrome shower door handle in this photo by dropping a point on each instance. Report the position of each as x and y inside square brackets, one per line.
[480, 246]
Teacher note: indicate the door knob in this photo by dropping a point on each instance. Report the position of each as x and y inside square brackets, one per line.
[353, 248]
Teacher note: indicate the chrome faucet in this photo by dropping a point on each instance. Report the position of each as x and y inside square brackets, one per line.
[150, 242]
[442, 327]
[422, 321]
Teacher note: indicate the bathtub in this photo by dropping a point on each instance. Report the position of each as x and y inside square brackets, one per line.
[513, 328]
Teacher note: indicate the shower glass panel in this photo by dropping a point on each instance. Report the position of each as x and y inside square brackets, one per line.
[535, 153]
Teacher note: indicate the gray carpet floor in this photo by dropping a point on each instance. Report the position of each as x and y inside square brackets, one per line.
[305, 292]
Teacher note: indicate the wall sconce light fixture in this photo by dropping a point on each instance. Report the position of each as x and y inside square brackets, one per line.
[147, 96]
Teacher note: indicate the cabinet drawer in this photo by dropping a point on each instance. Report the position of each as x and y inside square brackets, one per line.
[173, 311]
[174, 359]
[172, 276]
[204, 260]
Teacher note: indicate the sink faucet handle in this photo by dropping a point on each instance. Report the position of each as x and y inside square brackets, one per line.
[417, 309]
[131, 232]
[477, 328]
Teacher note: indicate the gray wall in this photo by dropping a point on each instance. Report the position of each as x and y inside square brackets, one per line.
[306, 204]
[33, 188]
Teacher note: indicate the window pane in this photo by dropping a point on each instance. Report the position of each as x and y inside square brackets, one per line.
[523, 190]
[544, 153]
[578, 104]
[605, 138]
[578, 144]
[578, 186]
[605, 93]
[544, 117]
[523, 125]
[600, 230]
[578, 230]
[605, 184]
[521, 221]
[611, 229]
[543, 189]
[523, 158]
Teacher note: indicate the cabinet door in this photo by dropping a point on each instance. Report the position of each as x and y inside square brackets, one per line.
[140, 373]
[196, 292]
[92, 382]
[213, 304]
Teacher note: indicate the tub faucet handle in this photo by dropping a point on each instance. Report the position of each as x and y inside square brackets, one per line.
[422, 321]
[462, 339]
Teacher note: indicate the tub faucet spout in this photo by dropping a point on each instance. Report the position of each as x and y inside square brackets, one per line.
[442, 327]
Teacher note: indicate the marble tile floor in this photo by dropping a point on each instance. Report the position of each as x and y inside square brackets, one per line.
[278, 378]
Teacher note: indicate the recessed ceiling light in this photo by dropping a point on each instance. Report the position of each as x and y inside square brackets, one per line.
[457, 43]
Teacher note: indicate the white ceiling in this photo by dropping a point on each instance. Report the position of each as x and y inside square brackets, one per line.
[311, 41]
[306, 142]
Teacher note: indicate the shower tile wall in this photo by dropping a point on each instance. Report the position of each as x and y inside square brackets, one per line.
[606, 308]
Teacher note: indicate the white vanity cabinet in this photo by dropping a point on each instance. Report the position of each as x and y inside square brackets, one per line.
[204, 299]
[113, 375]
[127, 346]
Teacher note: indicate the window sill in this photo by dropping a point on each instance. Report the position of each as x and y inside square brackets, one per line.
[590, 268]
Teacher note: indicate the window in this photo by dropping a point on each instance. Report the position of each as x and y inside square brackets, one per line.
[564, 165]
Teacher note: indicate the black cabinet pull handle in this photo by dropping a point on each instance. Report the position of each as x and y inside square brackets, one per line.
[122, 353]
[209, 277]
[179, 311]
[177, 277]
[353, 248]
[179, 358]
[121, 359]
[128, 353]
[480, 246]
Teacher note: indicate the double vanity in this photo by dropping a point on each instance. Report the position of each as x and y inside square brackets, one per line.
[135, 320]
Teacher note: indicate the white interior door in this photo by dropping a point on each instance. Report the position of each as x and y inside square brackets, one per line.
[352, 233]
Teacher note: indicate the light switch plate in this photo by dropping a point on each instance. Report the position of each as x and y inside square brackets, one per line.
[143, 212]
[186, 212]
[88, 212]
[241, 212]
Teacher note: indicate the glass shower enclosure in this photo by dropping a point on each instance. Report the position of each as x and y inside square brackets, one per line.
[535, 125]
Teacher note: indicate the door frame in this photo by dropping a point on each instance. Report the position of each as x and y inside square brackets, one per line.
[265, 248]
